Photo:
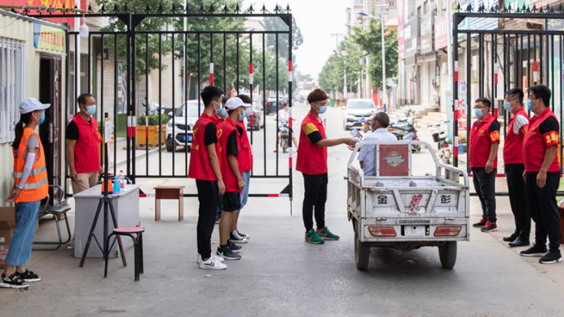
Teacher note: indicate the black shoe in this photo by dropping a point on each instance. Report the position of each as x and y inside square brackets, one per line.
[512, 237]
[29, 276]
[551, 257]
[234, 247]
[228, 254]
[13, 281]
[518, 243]
[534, 251]
[480, 223]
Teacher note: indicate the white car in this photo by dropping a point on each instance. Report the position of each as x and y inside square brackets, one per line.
[183, 124]
[356, 111]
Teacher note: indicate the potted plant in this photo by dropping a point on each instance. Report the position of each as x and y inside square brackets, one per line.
[148, 128]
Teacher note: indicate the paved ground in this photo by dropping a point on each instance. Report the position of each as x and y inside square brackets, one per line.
[280, 275]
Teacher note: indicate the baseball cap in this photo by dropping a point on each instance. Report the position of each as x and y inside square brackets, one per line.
[31, 104]
[234, 103]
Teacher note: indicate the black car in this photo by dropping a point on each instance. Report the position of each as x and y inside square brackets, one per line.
[271, 104]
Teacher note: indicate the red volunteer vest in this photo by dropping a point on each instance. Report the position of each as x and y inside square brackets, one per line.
[534, 146]
[200, 166]
[87, 147]
[229, 177]
[513, 146]
[480, 143]
[245, 156]
[312, 158]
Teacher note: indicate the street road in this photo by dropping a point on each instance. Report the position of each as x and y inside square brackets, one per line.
[281, 275]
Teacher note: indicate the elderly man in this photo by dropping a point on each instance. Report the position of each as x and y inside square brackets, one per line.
[380, 133]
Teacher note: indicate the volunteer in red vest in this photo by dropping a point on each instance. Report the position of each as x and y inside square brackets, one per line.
[204, 167]
[312, 162]
[30, 187]
[484, 143]
[514, 167]
[83, 145]
[229, 135]
[542, 175]
[220, 116]
[245, 159]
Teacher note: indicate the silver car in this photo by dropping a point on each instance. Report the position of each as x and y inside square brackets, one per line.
[357, 111]
[181, 134]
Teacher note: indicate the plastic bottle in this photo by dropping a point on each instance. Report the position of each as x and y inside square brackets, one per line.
[121, 179]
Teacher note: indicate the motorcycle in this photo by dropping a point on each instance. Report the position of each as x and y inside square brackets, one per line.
[440, 136]
[404, 130]
[284, 138]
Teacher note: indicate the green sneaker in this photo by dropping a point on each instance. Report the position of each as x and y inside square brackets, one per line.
[327, 235]
[313, 237]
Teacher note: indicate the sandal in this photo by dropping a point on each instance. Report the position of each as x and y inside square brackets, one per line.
[29, 276]
[13, 281]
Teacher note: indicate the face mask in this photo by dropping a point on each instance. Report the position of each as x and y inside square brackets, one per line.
[42, 118]
[478, 112]
[530, 105]
[242, 116]
[221, 112]
[322, 109]
[91, 110]
[507, 106]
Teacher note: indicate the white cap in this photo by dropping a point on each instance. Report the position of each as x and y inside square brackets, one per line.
[234, 103]
[32, 104]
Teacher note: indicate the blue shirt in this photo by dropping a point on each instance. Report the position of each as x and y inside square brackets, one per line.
[367, 153]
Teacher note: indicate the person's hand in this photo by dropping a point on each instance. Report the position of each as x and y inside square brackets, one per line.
[74, 175]
[489, 166]
[13, 194]
[221, 186]
[541, 179]
[349, 141]
[241, 183]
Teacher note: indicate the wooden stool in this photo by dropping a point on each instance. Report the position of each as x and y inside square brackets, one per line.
[169, 192]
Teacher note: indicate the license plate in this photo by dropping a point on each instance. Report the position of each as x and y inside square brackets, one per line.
[414, 231]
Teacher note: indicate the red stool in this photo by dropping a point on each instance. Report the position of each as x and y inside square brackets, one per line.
[136, 234]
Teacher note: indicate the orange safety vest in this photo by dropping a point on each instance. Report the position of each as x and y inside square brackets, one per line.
[37, 185]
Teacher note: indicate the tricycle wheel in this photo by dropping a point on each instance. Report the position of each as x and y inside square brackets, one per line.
[361, 252]
[447, 253]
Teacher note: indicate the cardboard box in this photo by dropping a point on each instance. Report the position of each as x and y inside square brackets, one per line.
[7, 224]
[3, 255]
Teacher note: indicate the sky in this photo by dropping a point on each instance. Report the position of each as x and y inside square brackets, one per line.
[318, 45]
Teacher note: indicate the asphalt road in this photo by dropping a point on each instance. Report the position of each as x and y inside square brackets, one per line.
[280, 275]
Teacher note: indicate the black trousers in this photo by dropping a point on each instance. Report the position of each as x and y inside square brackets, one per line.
[315, 196]
[544, 211]
[208, 198]
[518, 200]
[484, 183]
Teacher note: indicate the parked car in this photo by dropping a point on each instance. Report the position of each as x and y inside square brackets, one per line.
[357, 111]
[183, 125]
[271, 104]
[257, 113]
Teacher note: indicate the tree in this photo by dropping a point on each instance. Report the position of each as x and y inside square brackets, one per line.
[370, 40]
[344, 60]
[283, 40]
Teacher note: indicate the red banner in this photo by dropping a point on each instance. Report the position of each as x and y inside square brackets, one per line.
[67, 4]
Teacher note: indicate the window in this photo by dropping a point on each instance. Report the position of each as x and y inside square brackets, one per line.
[359, 2]
[391, 4]
[12, 86]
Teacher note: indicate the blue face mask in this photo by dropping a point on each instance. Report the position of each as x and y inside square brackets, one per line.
[530, 105]
[221, 112]
[322, 109]
[91, 110]
[507, 106]
[478, 112]
[242, 116]
[42, 118]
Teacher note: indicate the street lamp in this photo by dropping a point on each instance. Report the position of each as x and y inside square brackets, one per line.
[381, 18]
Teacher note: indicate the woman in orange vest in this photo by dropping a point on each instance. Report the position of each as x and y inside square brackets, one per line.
[30, 187]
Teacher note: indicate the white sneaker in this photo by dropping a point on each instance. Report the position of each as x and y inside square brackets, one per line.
[217, 257]
[212, 264]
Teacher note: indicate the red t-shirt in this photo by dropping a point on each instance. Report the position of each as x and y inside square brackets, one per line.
[541, 134]
[483, 134]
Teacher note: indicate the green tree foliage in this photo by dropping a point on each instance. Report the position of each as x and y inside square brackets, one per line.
[283, 39]
[360, 43]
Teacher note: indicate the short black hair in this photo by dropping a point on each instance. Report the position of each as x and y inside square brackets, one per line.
[210, 93]
[245, 98]
[82, 98]
[542, 92]
[516, 92]
[485, 101]
[383, 119]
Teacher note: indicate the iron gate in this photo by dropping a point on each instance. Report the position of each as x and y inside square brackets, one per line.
[186, 54]
[504, 48]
